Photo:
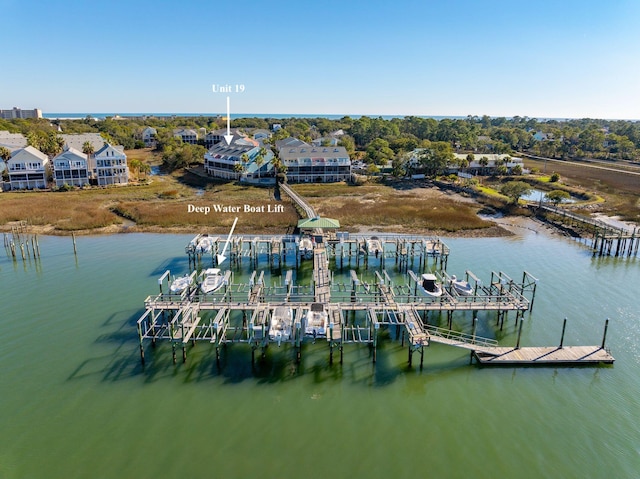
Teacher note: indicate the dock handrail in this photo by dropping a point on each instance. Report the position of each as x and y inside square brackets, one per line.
[464, 339]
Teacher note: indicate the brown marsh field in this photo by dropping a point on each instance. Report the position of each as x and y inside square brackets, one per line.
[619, 188]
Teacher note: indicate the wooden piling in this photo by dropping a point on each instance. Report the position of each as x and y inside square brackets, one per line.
[564, 327]
[604, 335]
[519, 334]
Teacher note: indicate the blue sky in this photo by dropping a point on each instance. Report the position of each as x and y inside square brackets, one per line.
[559, 59]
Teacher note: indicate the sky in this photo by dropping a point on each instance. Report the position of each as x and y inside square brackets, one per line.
[543, 59]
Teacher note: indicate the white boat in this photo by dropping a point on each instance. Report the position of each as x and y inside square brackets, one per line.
[429, 285]
[280, 325]
[374, 246]
[179, 284]
[317, 321]
[205, 244]
[213, 280]
[306, 247]
[461, 287]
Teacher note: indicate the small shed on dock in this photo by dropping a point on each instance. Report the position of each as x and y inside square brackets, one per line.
[318, 222]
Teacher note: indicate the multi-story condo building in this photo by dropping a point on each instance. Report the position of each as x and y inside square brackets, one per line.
[71, 168]
[187, 135]
[28, 169]
[314, 164]
[111, 166]
[19, 113]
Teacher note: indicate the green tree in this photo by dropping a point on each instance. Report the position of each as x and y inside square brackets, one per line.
[5, 153]
[372, 169]
[515, 189]
[554, 178]
[501, 170]
[48, 143]
[516, 170]
[557, 196]
[348, 143]
[436, 158]
[379, 152]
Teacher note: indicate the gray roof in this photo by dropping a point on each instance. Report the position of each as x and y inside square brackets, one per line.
[290, 142]
[185, 131]
[224, 150]
[106, 146]
[77, 140]
[326, 152]
[12, 141]
[32, 152]
[70, 153]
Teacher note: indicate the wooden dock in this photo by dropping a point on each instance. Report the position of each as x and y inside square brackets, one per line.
[607, 240]
[567, 355]
[241, 313]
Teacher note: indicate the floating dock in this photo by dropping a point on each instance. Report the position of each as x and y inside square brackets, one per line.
[543, 356]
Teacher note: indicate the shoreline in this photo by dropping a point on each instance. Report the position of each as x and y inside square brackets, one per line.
[502, 227]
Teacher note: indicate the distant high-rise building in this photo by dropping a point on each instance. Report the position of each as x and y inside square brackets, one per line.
[18, 113]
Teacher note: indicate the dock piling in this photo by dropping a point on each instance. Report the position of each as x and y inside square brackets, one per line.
[564, 326]
[604, 335]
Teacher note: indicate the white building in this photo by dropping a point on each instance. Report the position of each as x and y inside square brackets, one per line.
[313, 164]
[186, 135]
[28, 169]
[111, 166]
[19, 113]
[71, 168]
[149, 136]
[226, 161]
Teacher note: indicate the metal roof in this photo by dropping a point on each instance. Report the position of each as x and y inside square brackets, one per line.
[318, 222]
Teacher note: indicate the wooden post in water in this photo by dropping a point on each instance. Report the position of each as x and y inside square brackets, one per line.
[519, 334]
[604, 335]
[564, 326]
[141, 345]
[75, 251]
[473, 330]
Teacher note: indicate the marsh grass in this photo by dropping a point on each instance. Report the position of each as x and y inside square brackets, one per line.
[164, 203]
[380, 205]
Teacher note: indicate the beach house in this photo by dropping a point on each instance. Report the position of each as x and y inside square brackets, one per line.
[71, 168]
[186, 135]
[28, 169]
[111, 166]
[149, 136]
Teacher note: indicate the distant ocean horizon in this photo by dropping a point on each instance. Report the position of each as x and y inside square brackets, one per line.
[69, 116]
[276, 116]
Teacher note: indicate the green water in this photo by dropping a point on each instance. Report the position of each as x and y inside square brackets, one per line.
[75, 401]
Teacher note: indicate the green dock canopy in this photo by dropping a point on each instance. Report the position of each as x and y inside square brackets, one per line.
[318, 222]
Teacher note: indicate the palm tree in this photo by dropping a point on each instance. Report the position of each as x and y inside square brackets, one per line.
[484, 162]
[87, 148]
[239, 168]
[259, 161]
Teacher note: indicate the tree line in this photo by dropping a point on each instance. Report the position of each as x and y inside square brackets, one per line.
[377, 140]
